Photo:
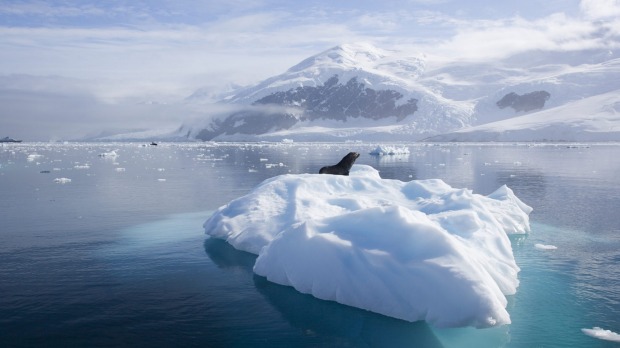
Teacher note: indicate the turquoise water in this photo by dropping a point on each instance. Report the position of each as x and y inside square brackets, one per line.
[119, 258]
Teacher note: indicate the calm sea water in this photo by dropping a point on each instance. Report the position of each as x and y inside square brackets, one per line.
[118, 257]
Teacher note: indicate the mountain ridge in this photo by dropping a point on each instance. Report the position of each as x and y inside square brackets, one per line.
[361, 92]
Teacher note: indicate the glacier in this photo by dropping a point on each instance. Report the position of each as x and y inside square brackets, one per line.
[591, 119]
[417, 250]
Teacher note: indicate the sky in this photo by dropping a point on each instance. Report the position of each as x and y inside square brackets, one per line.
[71, 68]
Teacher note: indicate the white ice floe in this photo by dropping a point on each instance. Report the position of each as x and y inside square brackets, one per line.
[382, 150]
[545, 247]
[33, 156]
[62, 180]
[111, 154]
[602, 334]
[417, 250]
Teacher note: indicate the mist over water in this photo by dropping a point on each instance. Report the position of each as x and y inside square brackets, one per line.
[117, 255]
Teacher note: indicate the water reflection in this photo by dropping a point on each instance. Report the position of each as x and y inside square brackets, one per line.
[316, 317]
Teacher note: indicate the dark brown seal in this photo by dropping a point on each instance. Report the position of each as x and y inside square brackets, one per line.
[343, 167]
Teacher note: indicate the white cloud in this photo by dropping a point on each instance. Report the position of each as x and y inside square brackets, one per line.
[488, 40]
[600, 9]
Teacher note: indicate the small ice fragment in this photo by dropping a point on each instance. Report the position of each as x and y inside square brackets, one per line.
[602, 334]
[545, 247]
[33, 156]
[161, 180]
[111, 154]
[62, 180]
[120, 169]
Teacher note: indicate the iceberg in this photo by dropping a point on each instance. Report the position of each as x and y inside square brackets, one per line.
[417, 250]
[383, 150]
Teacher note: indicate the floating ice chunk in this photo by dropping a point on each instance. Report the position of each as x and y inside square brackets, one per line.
[161, 180]
[81, 166]
[545, 247]
[120, 169]
[602, 334]
[111, 154]
[382, 150]
[62, 180]
[33, 156]
[273, 165]
[418, 250]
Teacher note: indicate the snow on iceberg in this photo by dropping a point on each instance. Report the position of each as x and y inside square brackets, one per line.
[418, 250]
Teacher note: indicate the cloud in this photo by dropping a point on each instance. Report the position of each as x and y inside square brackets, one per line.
[488, 40]
[44, 108]
[600, 9]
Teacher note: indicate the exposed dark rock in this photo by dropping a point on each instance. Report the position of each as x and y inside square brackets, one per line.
[332, 100]
[526, 102]
[337, 101]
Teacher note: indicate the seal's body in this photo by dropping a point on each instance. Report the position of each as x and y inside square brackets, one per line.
[343, 167]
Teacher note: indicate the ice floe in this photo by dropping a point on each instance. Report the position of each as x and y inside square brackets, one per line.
[602, 334]
[417, 250]
[545, 247]
[110, 154]
[62, 180]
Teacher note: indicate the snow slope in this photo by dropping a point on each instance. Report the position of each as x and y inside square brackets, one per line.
[594, 118]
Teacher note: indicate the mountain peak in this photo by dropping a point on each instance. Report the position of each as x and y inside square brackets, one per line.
[346, 56]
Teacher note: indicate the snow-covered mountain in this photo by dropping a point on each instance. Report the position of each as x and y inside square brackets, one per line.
[361, 92]
[591, 119]
[354, 91]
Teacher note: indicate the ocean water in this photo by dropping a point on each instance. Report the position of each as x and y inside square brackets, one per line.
[117, 255]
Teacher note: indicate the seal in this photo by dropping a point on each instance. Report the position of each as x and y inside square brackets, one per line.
[343, 167]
